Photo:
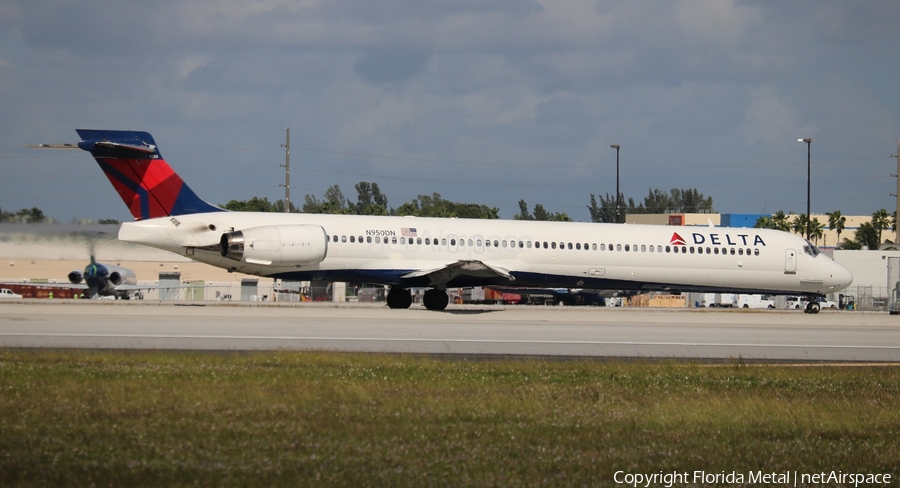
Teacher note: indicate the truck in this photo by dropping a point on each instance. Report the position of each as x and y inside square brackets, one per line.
[7, 293]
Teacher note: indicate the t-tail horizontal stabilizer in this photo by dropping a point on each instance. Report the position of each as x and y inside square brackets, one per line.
[132, 162]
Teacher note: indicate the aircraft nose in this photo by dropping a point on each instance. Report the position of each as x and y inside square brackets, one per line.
[841, 277]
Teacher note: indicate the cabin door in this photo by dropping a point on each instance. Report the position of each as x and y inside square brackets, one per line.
[451, 241]
[790, 261]
[479, 244]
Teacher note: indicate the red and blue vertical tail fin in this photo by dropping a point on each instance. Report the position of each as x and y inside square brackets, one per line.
[138, 172]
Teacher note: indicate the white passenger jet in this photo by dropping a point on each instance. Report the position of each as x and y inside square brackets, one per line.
[437, 253]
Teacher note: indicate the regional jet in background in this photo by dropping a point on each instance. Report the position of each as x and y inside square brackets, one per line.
[105, 280]
[437, 253]
[100, 280]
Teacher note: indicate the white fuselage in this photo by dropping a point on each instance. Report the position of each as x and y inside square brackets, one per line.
[567, 254]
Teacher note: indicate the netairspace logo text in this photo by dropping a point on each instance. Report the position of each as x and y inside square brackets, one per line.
[786, 478]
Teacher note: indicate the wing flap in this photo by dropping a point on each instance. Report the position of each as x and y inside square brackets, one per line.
[475, 268]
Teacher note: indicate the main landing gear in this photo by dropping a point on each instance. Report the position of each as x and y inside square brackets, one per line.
[433, 299]
[399, 298]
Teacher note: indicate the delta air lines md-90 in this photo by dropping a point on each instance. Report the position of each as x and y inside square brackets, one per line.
[437, 253]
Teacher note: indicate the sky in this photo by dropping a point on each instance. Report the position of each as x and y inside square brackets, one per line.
[481, 101]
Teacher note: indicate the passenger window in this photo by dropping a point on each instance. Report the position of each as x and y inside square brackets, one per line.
[443, 241]
[496, 243]
[359, 240]
[756, 252]
[478, 242]
[602, 247]
[419, 241]
[402, 240]
[335, 238]
[520, 244]
[740, 251]
[369, 239]
[570, 246]
[675, 249]
[528, 243]
[716, 250]
[618, 247]
[634, 248]
[352, 239]
[627, 247]
[732, 251]
[427, 241]
[452, 242]
[577, 246]
[553, 245]
[504, 243]
[643, 248]
[343, 238]
[651, 248]
[668, 249]
[545, 244]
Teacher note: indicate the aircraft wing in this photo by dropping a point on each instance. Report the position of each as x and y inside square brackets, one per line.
[475, 268]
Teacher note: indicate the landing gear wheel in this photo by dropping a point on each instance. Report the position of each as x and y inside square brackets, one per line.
[435, 299]
[812, 307]
[399, 298]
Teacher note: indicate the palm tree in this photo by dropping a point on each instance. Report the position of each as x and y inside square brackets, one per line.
[798, 226]
[816, 230]
[779, 221]
[836, 222]
[881, 221]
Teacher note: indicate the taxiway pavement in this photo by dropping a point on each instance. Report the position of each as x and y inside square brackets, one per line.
[480, 330]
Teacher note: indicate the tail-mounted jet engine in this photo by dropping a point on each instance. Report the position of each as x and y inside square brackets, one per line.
[276, 245]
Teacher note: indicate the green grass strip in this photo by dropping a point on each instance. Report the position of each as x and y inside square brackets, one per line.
[336, 419]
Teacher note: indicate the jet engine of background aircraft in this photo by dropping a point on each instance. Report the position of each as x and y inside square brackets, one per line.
[276, 245]
[102, 279]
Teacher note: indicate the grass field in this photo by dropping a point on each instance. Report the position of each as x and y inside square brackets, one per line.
[335, 419]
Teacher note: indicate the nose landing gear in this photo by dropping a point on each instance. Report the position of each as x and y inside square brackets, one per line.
[812, 306]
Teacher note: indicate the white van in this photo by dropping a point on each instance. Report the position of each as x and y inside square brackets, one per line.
[755, 301]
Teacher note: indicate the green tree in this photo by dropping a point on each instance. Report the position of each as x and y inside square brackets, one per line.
[837, 223]
[524, 214]
[255, 204]
[435, 206]
[605, 211]
[764, 222]
[370, 200]
[867, 235]
[31, 215]
[540, 213]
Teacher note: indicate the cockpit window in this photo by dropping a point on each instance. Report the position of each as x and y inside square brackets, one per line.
[811, 249]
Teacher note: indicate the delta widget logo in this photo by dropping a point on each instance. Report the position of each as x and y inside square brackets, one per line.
[676, 240]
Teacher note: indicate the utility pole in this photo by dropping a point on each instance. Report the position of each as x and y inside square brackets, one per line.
[287, 169]
[897, 215]
[808, 142]
[618, 203]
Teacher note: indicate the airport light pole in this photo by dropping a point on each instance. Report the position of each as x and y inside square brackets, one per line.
[808, 142]
[616, 147]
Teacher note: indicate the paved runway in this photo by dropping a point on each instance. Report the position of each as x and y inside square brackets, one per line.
[484, 330]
